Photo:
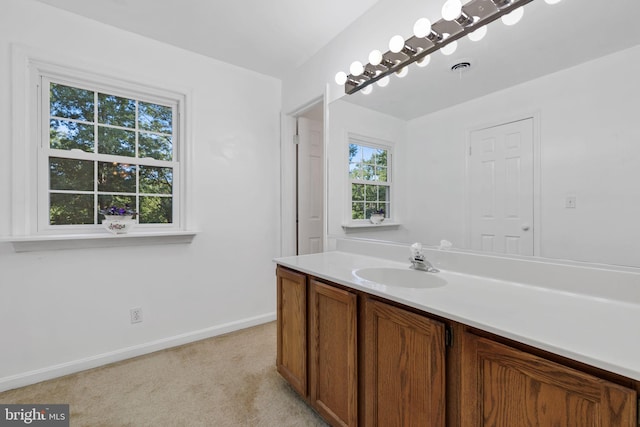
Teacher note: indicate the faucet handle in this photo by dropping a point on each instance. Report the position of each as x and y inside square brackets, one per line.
[416, 250]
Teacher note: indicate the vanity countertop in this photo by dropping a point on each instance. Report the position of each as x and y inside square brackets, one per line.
[597, 331]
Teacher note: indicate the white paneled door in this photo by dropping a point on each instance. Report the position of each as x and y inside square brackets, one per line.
[310, 196]
[500, 171]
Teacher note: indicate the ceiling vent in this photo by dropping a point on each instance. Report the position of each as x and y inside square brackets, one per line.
[461, 67]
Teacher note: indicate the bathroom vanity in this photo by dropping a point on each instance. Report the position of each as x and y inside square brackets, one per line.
[466, 351]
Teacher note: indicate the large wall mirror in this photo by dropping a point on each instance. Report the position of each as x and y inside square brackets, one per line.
[541, 133]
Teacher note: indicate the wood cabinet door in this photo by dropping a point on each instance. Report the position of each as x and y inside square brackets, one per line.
[333, 353]
[405, 368]
[291, 360]
[505, 387]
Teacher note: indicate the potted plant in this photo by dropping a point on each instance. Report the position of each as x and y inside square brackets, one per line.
[377, 216]
[118, 212]
[118, 220]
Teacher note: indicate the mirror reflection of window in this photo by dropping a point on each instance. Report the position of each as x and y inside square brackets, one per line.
[369, 168]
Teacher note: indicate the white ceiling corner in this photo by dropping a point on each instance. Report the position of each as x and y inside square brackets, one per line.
[269, 37]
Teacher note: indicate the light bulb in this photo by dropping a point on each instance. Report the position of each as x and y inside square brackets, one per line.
[375, 57]
[512, 18]
[450, 48]
[478, 34]
[403, 72]
[451, 10]
[424, 61]
[366, 90]
[422, 28]
[396, 44]
[356, 68]
[552, 1]
[383, 81]
[341, 77]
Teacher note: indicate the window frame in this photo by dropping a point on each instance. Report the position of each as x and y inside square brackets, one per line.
[378, 144]
[27, 66]
[45, 151]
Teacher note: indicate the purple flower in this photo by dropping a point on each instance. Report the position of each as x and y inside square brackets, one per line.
[120, 211]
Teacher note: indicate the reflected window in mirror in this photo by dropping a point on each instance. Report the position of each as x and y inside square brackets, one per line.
[370, 179]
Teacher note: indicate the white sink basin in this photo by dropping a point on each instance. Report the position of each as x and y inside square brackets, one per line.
[401, 277]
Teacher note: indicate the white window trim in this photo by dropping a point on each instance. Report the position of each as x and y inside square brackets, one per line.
[27, 67]
[349, 222]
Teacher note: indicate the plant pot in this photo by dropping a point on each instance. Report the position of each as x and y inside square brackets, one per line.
[376, 218]
[119, 225]
[118, 217]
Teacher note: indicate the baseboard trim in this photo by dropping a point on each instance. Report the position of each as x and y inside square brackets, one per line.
[51, 372]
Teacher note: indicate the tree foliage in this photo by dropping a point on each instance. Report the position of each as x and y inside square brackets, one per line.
[368, 170]
[79, 188]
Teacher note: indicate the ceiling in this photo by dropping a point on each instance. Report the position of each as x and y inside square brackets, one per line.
[269, 37]
[549, 38]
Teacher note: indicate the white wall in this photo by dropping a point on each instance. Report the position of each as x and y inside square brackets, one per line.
[372, 31]
[66, 310]
[589, 147]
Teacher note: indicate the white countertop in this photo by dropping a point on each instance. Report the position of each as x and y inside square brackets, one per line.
[600, 332]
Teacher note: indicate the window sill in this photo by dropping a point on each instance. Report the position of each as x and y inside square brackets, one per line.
[84, 241]
[366, 225]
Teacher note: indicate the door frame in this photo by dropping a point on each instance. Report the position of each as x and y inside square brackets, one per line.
[537, 173]
[288, 176]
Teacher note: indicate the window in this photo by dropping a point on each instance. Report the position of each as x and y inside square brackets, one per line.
[105, 146]
[370, 178]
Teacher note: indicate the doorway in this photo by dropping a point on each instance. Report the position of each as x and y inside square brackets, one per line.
[500, 173]
[310, 180]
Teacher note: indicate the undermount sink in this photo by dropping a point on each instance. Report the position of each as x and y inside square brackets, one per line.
[401, 277]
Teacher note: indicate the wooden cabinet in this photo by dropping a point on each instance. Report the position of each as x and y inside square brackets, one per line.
[317, 350]
[291, 359]
[404, 368]
[361, 360]
[333, 363]
[505, 387]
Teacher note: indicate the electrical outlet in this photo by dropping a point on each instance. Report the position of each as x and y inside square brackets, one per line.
[136, 315]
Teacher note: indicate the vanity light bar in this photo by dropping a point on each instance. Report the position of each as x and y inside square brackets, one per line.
[417, 48]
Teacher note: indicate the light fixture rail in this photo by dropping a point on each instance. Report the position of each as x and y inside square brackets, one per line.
[461, 21]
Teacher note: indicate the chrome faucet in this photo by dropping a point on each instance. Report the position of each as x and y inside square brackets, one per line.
[419, 262]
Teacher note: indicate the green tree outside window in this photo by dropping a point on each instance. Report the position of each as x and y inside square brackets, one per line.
[369, 176]
[103, 124]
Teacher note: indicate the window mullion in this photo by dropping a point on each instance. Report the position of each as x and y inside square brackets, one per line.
[137, 155]
[69, 119]
[71, 146]
[96, 141]
[43, 157]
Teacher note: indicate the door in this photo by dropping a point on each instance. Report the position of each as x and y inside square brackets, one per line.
[333, 358]
[291, 358]
[505, 387]
[310, 187]
[500, 171]
[404, 368]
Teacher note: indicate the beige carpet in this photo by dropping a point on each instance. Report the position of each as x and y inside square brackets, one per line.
[228, 380]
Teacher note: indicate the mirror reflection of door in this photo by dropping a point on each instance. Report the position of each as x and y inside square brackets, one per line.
[310, 184]
[500, 171]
